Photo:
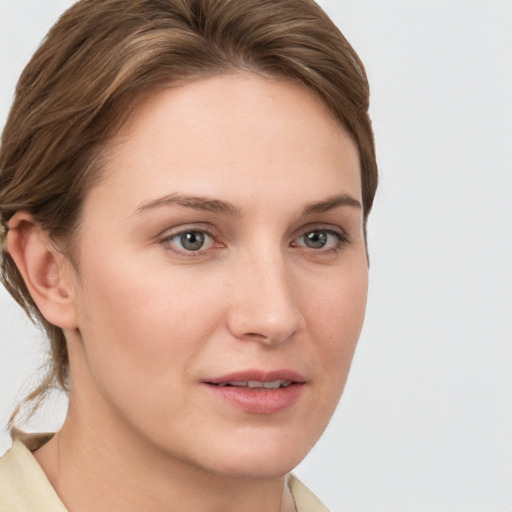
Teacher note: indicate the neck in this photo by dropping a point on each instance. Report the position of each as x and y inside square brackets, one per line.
[99, 466]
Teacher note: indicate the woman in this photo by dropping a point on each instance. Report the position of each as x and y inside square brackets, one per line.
[185, 187]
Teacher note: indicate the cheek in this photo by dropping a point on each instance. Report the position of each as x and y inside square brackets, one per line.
[335, 315]
[142, 337]
[149, 322]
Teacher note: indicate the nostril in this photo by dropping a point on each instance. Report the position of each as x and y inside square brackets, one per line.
[255, 335]
[269, 335]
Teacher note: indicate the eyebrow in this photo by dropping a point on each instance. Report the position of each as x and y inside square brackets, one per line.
[331, 203]
[205, 204]
[208, 204]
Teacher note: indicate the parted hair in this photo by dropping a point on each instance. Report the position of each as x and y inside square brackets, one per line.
[104, 56]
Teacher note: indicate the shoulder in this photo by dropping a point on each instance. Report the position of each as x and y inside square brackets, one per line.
[305, 500]
[23, 484]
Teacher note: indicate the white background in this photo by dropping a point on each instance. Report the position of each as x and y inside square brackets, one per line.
[425, 423]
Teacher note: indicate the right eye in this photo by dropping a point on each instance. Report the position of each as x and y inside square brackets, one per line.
[190, 240]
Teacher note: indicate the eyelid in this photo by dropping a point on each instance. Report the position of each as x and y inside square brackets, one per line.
[330, 228]
[205, 227]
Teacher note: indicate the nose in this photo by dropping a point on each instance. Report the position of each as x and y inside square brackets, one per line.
[265, 306]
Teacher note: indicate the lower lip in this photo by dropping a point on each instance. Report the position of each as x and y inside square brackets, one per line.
[259, 400]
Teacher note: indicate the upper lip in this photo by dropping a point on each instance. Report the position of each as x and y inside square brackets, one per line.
[258, 375]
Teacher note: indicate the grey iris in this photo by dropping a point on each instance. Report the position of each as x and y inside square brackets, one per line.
[315, 239]
[192, 240]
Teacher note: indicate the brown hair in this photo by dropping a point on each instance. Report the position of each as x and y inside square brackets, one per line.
[104, 55]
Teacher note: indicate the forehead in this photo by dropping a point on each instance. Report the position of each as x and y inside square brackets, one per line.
[225, 131]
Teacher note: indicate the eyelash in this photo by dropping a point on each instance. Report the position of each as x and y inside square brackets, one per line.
[341, 237]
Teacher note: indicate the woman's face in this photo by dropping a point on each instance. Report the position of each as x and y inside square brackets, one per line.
[223, 276]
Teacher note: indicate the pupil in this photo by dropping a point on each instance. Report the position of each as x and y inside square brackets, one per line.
[315, 239]
[192, 241]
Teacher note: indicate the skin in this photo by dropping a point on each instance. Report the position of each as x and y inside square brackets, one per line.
[147, 322]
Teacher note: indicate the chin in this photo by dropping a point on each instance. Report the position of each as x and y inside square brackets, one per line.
[262, 457]
[257, 468]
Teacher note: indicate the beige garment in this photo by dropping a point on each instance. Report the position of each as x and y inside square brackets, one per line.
[25, 488]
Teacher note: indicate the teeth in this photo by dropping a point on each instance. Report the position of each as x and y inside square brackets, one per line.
[272, 385]
[275, 384]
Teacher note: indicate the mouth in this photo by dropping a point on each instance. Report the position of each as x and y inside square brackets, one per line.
[255, 384]
[258, 392]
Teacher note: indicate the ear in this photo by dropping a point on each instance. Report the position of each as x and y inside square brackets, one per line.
[48, 274]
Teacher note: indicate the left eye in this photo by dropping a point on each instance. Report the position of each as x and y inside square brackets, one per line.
[321, 239]
[191, 240]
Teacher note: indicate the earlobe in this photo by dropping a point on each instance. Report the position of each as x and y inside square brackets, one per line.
[45, 270]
